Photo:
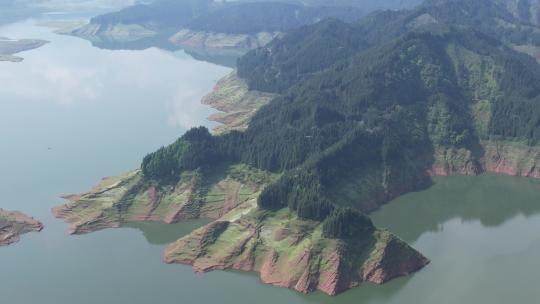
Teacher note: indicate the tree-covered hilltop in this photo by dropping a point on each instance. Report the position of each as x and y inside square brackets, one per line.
[301, 52]
[512, 21]
[195, 149]
[284, 62]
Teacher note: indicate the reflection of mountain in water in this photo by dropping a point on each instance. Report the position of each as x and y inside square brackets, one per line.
[490, 199]
[223, 57]
[220, 57]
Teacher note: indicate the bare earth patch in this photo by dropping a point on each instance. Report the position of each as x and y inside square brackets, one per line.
[238, 104]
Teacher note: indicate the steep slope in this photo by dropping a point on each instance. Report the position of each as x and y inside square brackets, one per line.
[294, 253]
[131, 198]
[268, 69]
[299, 53]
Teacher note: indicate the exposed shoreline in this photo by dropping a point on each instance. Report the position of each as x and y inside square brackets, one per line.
[237, 103]
[183, 38]
[206, 40]
[13, 224]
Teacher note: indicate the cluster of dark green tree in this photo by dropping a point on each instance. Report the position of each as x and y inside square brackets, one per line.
[309, 49]
[195, 149]
[347, 223]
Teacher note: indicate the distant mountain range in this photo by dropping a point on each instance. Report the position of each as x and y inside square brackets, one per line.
[207, 24]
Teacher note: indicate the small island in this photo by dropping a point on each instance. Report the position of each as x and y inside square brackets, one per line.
[10, 47]
[13, 224]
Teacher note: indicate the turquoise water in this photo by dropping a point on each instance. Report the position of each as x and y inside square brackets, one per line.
[72, 113]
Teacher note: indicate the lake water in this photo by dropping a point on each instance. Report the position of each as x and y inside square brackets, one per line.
[71, 114]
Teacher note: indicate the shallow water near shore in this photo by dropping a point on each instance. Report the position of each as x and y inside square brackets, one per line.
[71, 113]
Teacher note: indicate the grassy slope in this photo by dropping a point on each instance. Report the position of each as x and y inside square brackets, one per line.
[129, 198]
[291, 252]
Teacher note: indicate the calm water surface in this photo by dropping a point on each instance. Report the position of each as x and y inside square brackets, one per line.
[72, 113]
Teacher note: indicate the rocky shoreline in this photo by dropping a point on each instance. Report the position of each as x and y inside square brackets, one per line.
[13, 224]
[508, 158]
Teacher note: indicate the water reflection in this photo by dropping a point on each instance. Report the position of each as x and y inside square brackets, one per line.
[490, 199]
[480, 234]
[163, 234]
[223, 57]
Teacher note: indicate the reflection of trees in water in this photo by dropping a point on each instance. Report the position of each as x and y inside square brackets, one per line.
[225, 58]
[490, 199]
